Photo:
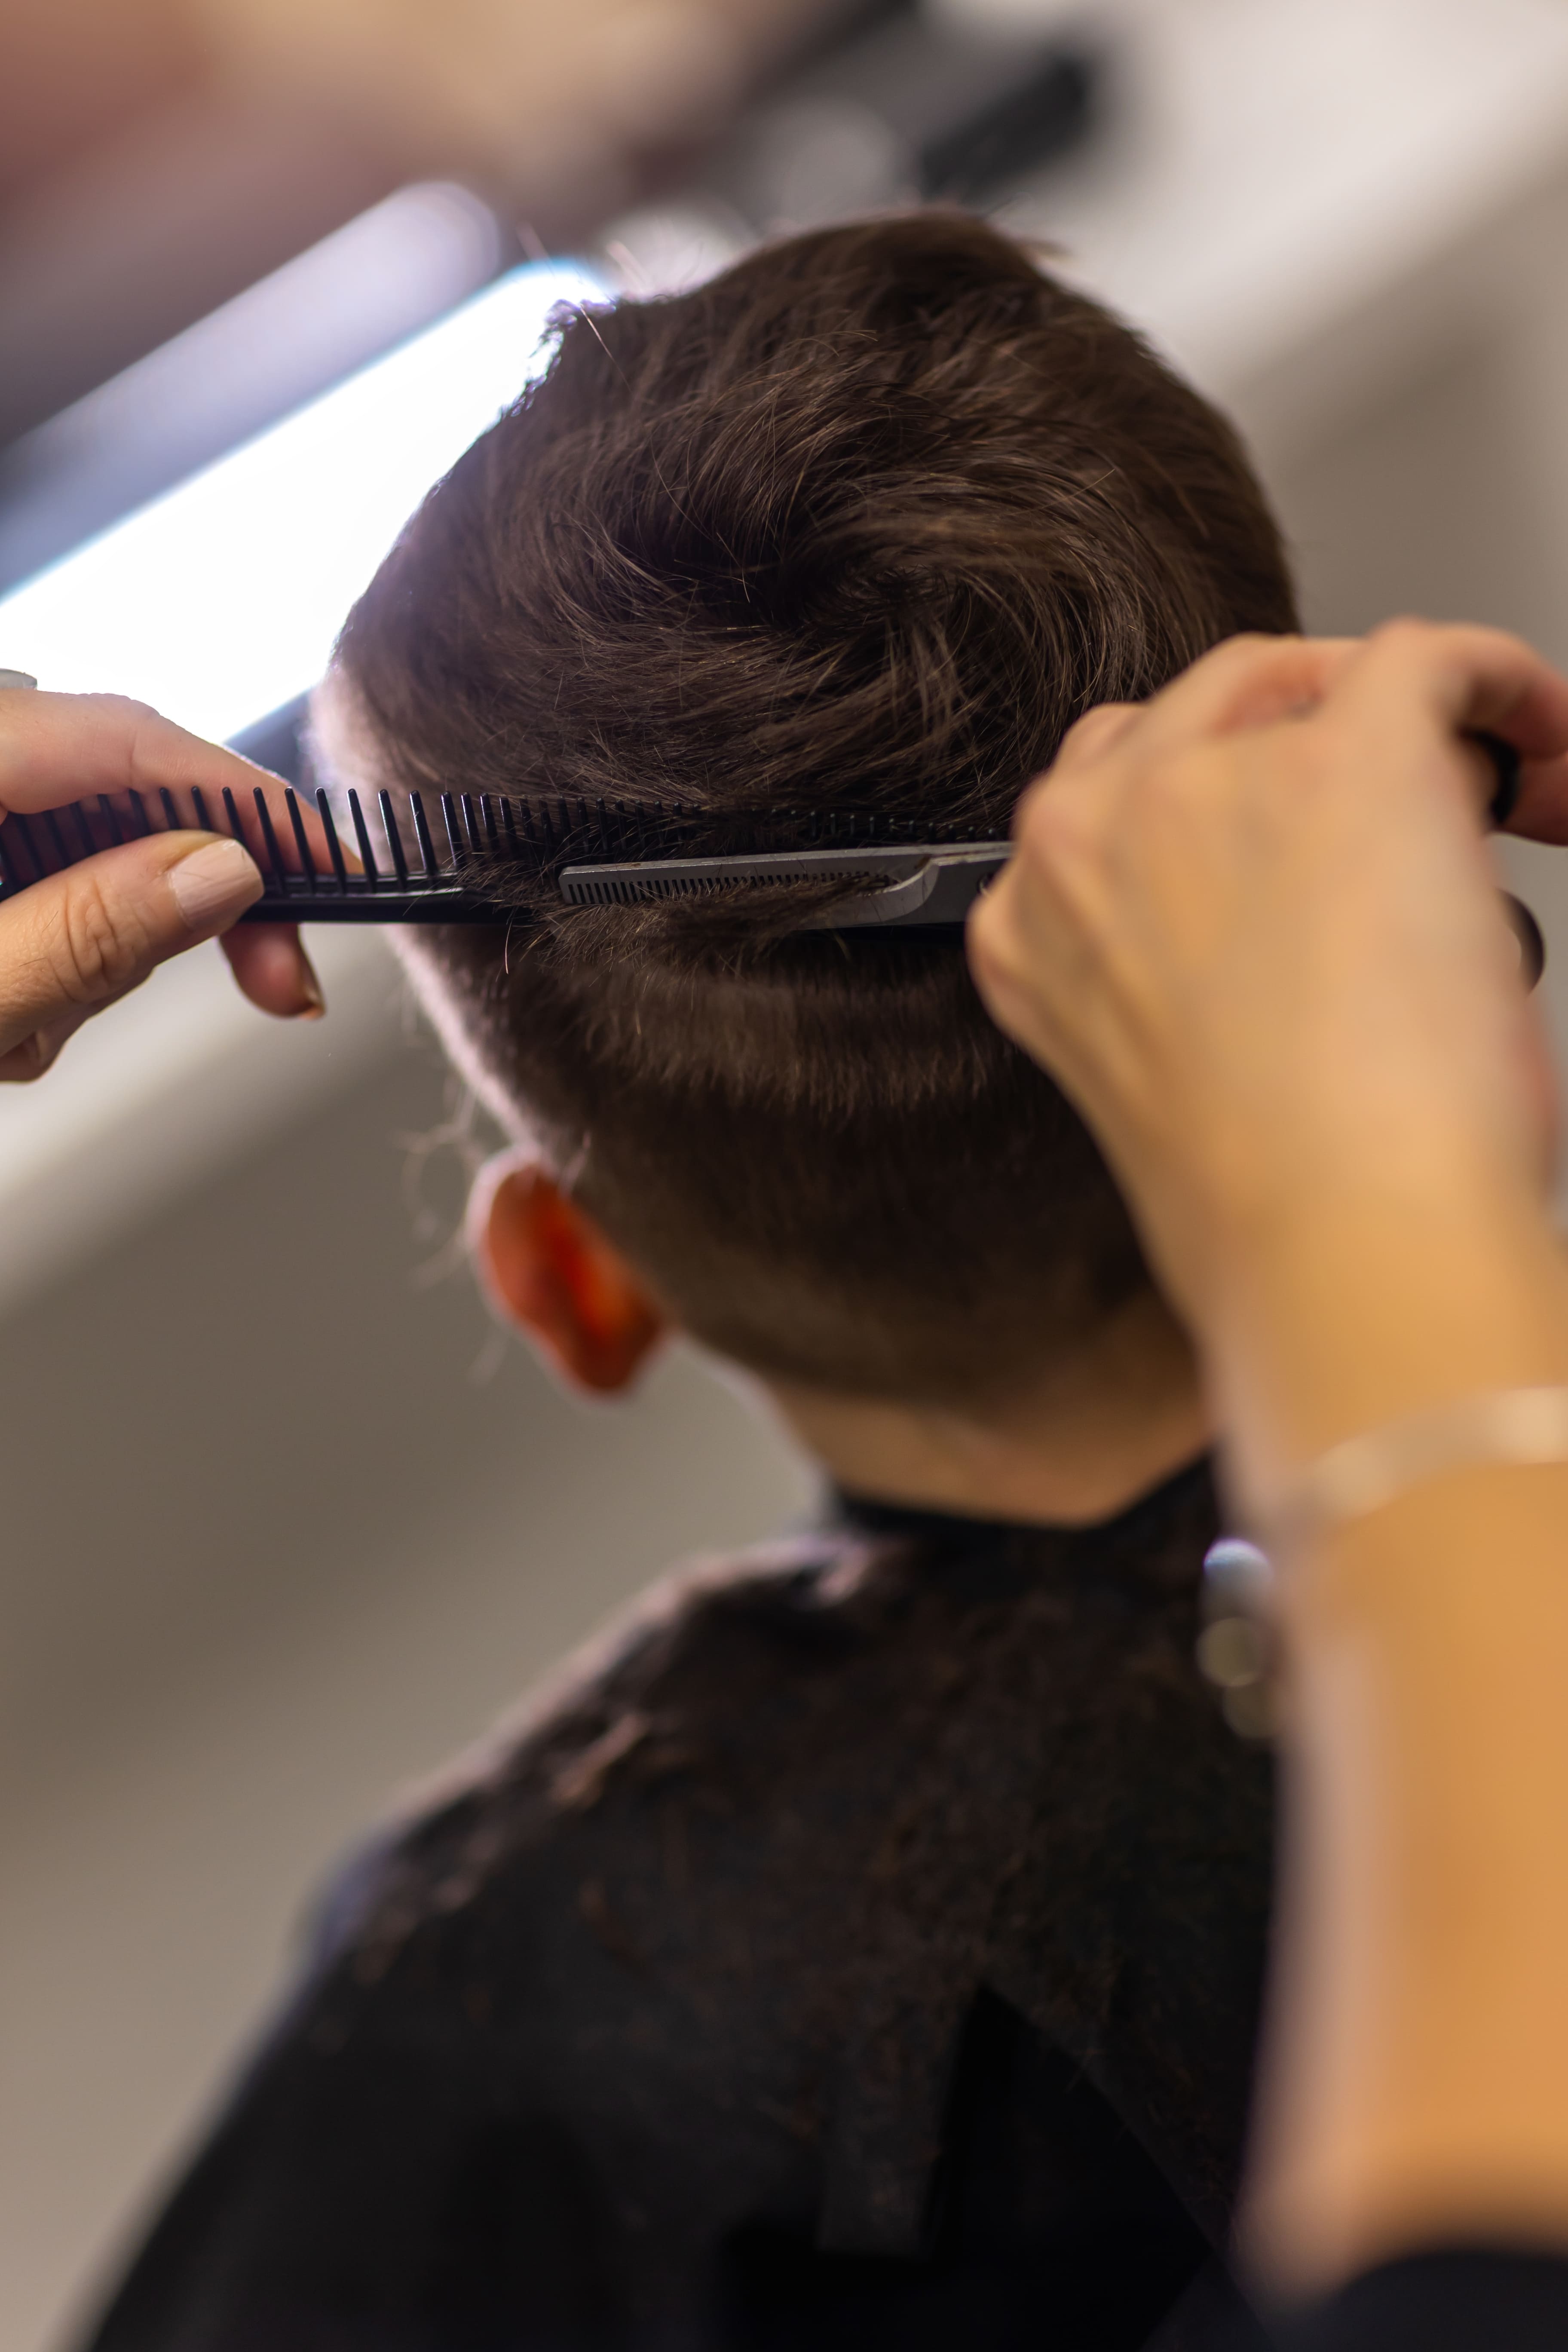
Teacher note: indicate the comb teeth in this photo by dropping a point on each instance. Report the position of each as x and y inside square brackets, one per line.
[449, 857]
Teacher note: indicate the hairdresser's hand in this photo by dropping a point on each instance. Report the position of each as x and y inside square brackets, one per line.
[1252, 928]
[79, 940]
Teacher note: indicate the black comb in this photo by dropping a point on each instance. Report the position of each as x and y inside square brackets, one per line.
[446, 857]
[459, 857]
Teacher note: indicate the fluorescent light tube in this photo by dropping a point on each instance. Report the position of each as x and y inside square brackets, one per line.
[221, 600]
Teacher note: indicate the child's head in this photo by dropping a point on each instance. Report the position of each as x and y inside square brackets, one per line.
[867, 522]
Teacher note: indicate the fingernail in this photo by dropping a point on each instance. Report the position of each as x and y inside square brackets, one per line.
[213, 885]
[315, 1004]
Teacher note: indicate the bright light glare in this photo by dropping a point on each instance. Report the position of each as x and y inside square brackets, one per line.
[221, 600]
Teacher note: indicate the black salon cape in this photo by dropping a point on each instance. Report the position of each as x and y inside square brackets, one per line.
[1448, 2299]
[862, 1950]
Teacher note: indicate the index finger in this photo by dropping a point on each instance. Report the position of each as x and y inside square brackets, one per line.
[1248, 681]
[59, 748]
[1461, 677]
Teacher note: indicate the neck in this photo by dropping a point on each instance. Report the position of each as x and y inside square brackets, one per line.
[1122, 1414]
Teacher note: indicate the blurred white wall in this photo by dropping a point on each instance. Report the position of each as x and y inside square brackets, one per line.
[283, 1525]
[279, 1529]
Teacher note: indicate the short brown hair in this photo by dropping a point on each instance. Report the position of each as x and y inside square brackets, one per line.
[867, 522]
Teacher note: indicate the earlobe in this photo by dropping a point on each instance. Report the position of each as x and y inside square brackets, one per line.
[549, 1269]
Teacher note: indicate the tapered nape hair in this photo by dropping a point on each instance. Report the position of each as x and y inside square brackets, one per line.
[866, 523]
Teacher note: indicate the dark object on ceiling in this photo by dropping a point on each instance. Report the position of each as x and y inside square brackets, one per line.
[910, 110]
[1026, 126]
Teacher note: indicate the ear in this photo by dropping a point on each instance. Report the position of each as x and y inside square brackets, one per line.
[549, 1269]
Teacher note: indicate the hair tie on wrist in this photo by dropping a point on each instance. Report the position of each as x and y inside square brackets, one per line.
[1362, 1474]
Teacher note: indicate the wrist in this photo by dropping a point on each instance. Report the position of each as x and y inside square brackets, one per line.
[1421, 2086]
[1359, 1311]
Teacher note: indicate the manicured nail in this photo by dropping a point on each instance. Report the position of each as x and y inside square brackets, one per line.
[315, 1004]
[213, 885]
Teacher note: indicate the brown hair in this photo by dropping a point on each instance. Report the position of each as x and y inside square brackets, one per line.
[866, 522]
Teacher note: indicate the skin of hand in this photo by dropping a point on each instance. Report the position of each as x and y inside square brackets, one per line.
[84, 938]
[1252, 929]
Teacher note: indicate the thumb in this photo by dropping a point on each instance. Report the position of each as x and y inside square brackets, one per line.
[81, 938]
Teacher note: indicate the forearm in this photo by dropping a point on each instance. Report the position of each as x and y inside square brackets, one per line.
[1417, 2082]
[1353, 1308]
[1251, 929]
